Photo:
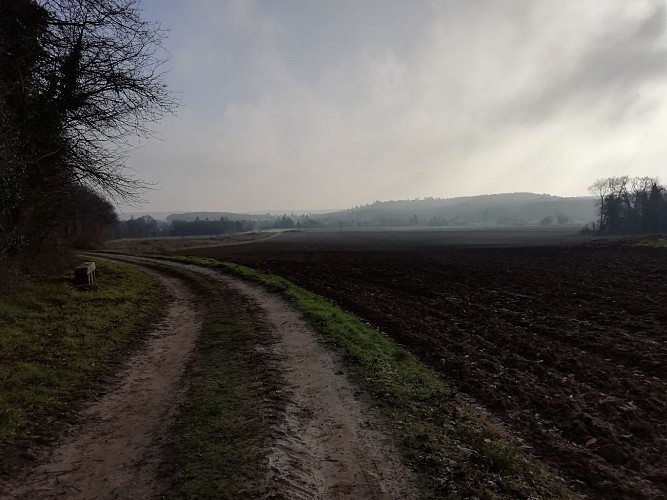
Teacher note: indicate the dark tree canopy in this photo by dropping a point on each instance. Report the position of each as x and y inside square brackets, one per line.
[22, 23]
[102, 83]
[630, 205]
[78, 80]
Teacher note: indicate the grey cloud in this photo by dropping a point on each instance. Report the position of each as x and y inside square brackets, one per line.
[306, 104]
[610, 73]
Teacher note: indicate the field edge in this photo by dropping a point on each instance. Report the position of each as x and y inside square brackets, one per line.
[455, 451]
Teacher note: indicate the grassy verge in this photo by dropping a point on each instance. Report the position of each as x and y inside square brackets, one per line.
[659, 243]
[223, 436]
[57, 340]
[456, 453]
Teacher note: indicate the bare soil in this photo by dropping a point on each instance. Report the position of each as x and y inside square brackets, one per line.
[116, 448]
[564, 341]
[327, 441]
[331, 444]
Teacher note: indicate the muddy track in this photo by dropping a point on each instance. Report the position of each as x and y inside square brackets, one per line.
[327, 441]
[115, 450]
[565, 345]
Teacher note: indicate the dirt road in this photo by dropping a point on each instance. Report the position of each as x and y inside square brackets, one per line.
[564, 344]
[328, 443]
[115, 449]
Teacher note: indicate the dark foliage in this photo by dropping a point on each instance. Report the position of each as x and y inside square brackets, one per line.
[147, 227]
[101, 75]
[141, 227]
[209, 227]
[630, 205]
[284, 223]
[77, 80]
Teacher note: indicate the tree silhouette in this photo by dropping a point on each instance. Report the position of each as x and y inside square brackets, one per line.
[630, 205]
[78, 79]
[100, 82]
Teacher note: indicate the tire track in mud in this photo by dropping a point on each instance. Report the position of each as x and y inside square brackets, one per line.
[116, 448]
[327, 441]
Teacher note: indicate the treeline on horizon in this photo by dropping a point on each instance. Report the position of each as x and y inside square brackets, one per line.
[624, 205]
[628, 205]
[148, 227]
[506, 209]
[482, 215]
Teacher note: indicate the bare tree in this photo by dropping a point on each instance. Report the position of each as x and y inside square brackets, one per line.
[601, 189]
[628, 204]
[78, 80]
[101, 79]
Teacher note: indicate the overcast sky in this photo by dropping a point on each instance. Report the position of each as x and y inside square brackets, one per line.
[314, 104]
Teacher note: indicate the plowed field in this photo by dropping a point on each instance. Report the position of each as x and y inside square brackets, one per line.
[565, 344]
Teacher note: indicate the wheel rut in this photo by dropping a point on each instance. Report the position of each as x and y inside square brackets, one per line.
[327, 441]
[116, 447]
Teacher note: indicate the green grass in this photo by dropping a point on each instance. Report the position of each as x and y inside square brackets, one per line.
[57, 341]
[659, 243]
[455, 451]
[223, 437]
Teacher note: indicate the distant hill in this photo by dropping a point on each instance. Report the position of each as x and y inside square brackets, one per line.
[507, 208]
[488, 210]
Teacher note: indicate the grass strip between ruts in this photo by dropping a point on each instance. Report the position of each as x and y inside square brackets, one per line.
[455, 451]
[58, 340]
[222, 437]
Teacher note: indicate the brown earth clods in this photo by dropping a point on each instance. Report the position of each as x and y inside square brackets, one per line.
[564, 344]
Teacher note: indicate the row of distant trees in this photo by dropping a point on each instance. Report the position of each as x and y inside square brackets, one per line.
[148, 227]
[293, 222]
[209, 227]
[78, 79]
[630, 205]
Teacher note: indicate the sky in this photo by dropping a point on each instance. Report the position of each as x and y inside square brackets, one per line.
[314, 104]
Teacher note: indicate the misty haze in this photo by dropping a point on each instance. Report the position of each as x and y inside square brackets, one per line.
[367, 249]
